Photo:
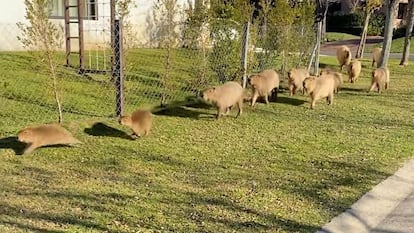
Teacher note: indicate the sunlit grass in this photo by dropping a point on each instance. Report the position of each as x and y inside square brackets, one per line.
[278, 168]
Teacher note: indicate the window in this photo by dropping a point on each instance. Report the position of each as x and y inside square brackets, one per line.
[57, 9]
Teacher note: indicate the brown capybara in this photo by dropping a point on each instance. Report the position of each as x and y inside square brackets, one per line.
[319, 88]
[380, 79]
[264, 84]
[45, 135]
[224, 97]
[343, 54]
[335, 75]
[354, 70]
[140, 122]
[376, 56]
[296, 77]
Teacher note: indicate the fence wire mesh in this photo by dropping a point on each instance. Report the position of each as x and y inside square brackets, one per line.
[180, 58]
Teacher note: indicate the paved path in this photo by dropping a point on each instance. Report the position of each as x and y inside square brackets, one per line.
[387, 208]
[329, 48]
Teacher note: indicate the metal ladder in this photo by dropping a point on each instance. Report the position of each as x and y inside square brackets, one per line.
[69, 37]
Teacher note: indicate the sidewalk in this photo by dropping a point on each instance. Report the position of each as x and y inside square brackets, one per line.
[387, 208]
[329, 48]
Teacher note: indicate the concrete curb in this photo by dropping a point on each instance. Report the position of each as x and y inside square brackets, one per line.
[375, 205]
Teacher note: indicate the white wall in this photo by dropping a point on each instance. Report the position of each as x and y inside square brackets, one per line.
[11, 12]
[141, 18]
[96, 32]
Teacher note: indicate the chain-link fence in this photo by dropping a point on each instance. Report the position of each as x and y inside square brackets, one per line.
[184, 54]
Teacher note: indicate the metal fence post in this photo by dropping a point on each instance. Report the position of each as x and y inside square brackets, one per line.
[245, 48]
[117, 67]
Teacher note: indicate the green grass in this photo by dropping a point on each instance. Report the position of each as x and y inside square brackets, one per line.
[277, 168]
[337, 36]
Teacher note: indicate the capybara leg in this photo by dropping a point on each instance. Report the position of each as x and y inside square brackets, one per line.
[386, 86]
[266, 98]
[274, 94]
[313, 103]
[220, 111]
[254, 98]
[30, 148]
[240, 106]
[331, 97]
[228, 109]
[372, 87]
[379, 88]
[291, 90]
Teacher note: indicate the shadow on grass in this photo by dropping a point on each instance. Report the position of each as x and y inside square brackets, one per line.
[353, 89]
[28, 228]
[64, 219]
[180, 111]
[263, 221]
[103, 130]
[186, 109]
[12, 143]
[290, 101]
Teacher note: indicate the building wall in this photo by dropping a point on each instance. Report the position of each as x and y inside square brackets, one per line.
[96, 32]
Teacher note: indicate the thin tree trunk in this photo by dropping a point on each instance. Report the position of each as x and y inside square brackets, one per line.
[52, 70]
[323, 32]
[361, 46]
[408, 32]
[318, 48]
[391, 6]
[55, 87]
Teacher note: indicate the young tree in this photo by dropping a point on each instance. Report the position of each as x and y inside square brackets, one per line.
[391, 7]
[370, 7]
[43, 39]
[166, 15]
[320, 13]
[408, 33]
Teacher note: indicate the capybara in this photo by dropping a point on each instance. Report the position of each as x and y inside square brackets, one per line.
[376, 56]
[264, 84]
[380, 79]
[354, 70]
[224, 97]
[296, 77]
[343, 54]
[335, 75]
[140, 122]
[319, 88]
[45, 135]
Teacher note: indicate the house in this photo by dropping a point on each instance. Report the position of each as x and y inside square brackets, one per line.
[96, 22]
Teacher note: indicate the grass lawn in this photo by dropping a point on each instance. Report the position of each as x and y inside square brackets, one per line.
[277, 168]
[335, 36]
